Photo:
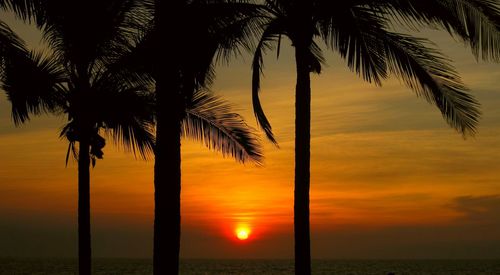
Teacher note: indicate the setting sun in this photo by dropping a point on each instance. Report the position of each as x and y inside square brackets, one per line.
[242, 233]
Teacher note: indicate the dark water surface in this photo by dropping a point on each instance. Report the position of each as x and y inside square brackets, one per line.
[208, 267]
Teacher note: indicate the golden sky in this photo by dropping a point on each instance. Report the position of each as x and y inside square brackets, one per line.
[389, 179]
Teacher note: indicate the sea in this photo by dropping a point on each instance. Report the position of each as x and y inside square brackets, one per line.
[10, 266]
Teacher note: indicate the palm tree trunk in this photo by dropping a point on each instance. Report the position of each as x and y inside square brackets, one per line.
[84, 241]
[302, 163]
[167, 170]
[167, 182]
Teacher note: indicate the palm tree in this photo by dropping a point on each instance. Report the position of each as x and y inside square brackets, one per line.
[178, 49]
[361, 31]
[78, 79]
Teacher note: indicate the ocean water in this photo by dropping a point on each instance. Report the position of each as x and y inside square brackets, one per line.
[244, 267]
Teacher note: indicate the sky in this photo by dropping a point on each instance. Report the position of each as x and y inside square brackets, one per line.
[389, 178]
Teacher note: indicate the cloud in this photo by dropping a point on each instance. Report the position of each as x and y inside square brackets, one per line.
[478, 210]
[473, 233]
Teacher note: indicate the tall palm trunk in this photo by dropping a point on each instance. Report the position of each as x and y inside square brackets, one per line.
[167, 182]
[84, 241]
[167, 170]
[302, 163]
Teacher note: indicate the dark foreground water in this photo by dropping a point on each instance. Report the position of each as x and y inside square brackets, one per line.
[206, 267]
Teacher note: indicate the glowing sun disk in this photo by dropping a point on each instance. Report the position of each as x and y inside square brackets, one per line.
[242, 233]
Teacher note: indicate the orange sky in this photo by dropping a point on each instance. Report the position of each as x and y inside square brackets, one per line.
[389, 178]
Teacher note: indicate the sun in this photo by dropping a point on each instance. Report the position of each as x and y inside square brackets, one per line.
[242, 233]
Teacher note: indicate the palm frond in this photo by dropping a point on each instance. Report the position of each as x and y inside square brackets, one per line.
[34, 84]
[235, 25]
[125, 109]
[209, 119]
[10, 43]
[136, 136]
[77, 38]
[222, 27]
[316, 59]
[198, 70]
[72, 150]
[139, 57]
[428, 73]
[351, 31]
[70, 133]
[475, 21]
[131, 18]
[278, 8]
[24, 9]
[358, 32]
[12, 48]
[269, 36]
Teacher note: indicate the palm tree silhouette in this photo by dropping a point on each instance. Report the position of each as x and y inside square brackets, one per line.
[178, 51]
[360, 31]
[187, 108]
[77, 78]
